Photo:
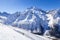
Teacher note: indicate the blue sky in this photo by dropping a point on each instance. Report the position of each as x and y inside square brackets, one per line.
[12, 6]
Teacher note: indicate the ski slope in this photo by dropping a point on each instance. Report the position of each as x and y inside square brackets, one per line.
[12, 33]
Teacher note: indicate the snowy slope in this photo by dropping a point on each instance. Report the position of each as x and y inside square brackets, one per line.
[12, 33]
[53, 17]
[3, 19]
[9, 34]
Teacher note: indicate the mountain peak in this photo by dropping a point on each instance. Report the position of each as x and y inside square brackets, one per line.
[33, 9]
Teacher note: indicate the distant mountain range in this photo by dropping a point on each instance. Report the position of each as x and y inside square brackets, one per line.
[32, 18]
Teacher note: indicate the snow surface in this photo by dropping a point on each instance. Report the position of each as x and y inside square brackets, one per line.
[3, 17]
[53, 17]
[9, 34]
[12, 33]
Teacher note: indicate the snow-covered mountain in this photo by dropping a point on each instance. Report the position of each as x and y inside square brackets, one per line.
[3, 17]
[54, 17]
[7, 18]
[32, 19]
[12, 18]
